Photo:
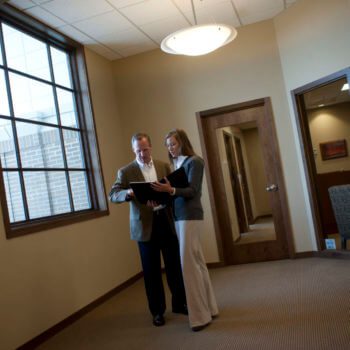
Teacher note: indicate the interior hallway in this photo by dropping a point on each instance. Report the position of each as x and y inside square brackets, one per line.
[287, 304]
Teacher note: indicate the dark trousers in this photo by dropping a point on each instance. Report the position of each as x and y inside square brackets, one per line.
[163, 240]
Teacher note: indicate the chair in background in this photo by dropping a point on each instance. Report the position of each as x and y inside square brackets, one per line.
[340, 199]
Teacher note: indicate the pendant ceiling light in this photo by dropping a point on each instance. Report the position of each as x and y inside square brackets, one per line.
[198, 39]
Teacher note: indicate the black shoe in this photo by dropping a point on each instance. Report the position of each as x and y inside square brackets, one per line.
[199, 328]
[158, 320]
[180, 310]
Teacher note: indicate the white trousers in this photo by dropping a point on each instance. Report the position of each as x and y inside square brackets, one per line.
[200, 296]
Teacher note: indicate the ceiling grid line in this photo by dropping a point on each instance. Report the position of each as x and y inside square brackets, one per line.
[132, 23]
[80, 31]
[184, 16]
[122, 28]
[236, 12]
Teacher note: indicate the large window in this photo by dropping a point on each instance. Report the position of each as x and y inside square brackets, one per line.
[46, 132]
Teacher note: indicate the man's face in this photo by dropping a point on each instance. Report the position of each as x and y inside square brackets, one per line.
[142, 149]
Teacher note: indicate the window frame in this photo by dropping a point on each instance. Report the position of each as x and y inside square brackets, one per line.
[99, 204]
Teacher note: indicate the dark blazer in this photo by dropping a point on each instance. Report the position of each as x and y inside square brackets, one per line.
[187, 205]
[141, 216]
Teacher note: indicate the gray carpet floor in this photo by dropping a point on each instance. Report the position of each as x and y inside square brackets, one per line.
[283, 305]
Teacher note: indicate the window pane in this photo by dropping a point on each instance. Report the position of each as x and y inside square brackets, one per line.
[7, 145]
[40, 146]
[14, 196]
[67, 108]
[80, 192]
[60, 62]
[26, 54]
[4, 103]
[32, 99]
[73, 148]
[47, 193]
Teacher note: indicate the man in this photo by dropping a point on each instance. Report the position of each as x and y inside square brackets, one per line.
[153, 228]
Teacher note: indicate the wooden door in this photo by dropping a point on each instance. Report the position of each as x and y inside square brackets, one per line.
[260, 113]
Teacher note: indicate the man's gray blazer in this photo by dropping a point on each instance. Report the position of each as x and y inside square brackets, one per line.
[141, 216]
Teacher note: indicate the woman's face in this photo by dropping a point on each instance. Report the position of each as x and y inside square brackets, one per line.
[173, 146]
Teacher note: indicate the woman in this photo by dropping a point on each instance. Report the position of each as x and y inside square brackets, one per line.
[188, 213]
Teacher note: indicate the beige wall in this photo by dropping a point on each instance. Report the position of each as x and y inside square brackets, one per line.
[47, 276]
[329, 124]
[313, 41]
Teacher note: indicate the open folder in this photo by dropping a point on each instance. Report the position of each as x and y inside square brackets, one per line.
[144, 192]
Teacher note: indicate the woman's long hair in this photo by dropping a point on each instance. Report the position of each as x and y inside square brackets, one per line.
[181, 137]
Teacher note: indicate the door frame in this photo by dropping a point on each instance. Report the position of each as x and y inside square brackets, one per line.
[308, 154]
[217, 194]
[244, 184]
[235, 184]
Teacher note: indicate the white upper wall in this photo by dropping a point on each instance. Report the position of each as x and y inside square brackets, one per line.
[313, 41]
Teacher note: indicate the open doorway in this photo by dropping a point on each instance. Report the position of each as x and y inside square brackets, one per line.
[323, 119]
[247, 197]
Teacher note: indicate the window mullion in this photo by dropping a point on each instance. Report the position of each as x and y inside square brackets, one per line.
[14, 128]
[83, 133]
[63, 149]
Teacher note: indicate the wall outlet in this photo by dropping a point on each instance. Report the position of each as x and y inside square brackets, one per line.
[330, 243]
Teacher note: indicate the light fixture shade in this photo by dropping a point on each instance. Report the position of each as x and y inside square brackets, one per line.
[198, 40]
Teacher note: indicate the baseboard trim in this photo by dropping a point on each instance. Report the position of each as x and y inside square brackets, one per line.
[338, 254]
[49, 333]
[215, 265]
[303, 255]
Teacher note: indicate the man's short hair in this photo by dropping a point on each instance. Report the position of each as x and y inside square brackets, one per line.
[139, 136]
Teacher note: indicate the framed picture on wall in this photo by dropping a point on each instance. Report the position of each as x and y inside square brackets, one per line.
[333, 149]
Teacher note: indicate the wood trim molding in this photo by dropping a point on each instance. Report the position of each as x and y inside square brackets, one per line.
[49, 333]
[215, 265]
[306, 146]
[303, 255]
[339, 254]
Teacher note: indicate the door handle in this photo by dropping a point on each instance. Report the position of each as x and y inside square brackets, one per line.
[272, 188]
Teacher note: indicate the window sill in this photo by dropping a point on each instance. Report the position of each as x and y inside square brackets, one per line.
[21, 229]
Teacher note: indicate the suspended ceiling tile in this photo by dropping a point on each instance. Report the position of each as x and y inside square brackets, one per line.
[128, 38]
[150, 11]
[110, 22]
[39, 2]
[134, 50]
[22, 4]
[104, 51]
[158, 30]
[222, 12]
[186, 6]
[76, 34]
[45, 16]
[124, 3]
[76, 10]
[251, 11]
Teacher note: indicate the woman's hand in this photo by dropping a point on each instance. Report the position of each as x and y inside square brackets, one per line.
[162, 187]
